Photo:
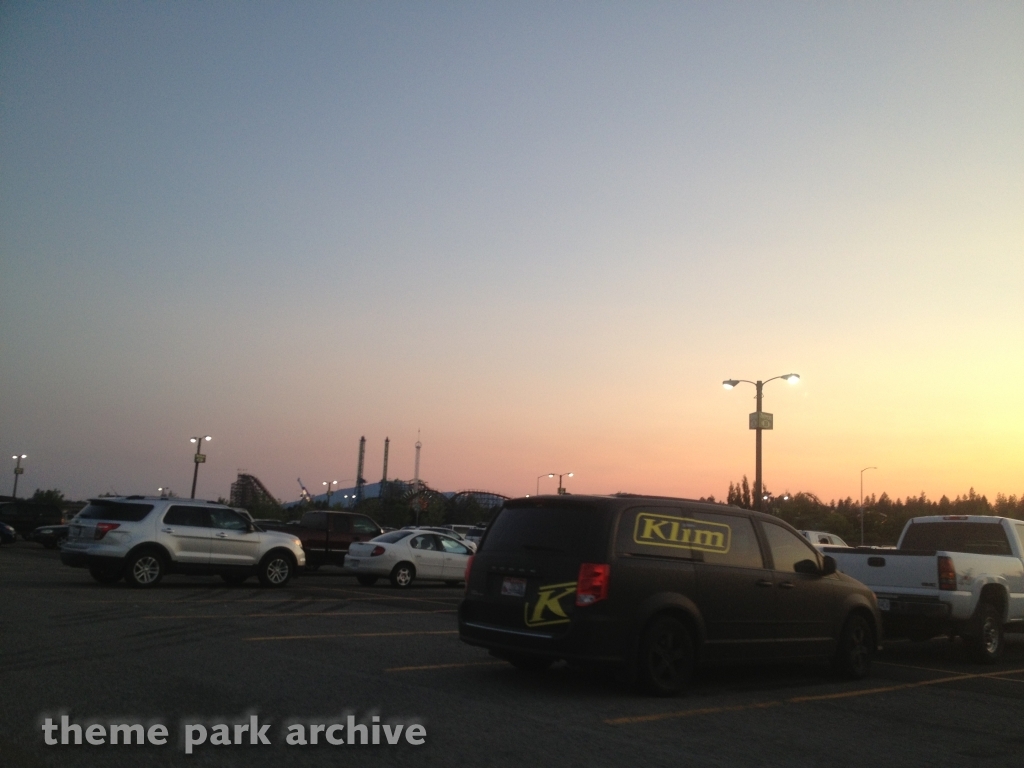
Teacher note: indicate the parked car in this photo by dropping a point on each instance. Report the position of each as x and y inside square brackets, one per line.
[820, 538]
[25, 516]
[954, 574]
[476, 533]
[7, 534]
[655, 586]
[405, 556]
[50, 536]
[142, 538]
[327, 534]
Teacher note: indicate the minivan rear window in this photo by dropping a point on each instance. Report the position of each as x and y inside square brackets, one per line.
[572, 531]
[973, 538]
[120, 511]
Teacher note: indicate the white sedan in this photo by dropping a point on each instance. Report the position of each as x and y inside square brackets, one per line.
[404, 556]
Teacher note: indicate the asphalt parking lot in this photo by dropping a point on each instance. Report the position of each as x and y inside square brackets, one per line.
[194, 650]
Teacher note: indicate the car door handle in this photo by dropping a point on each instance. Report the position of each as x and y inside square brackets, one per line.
[166, 530]
[765, 583]
[786, 585]
[221, 535]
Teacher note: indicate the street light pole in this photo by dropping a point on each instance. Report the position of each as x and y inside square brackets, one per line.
[199, 458]
[329, 491]
[862, 503]
[549, 474]
[561, 490]
[18, 470]
[759, 421]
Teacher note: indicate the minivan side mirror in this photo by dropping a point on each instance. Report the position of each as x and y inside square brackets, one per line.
[806, 566]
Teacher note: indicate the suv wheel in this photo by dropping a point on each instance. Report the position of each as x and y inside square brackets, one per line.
[856, 647]
[986, 638]
[666, 656]
[144, 569]
[403, 575]
[275, 570]
[104, 576]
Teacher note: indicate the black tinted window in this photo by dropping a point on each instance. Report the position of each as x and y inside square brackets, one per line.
[974, 538]
[118, 511]
[340, 524]
[393, 536]
[186, 515]
[560, 530]
[743, 549]
[315, 520]
[654, 531]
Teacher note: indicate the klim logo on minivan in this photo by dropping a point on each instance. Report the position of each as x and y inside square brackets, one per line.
[681, 533]
[548, 607]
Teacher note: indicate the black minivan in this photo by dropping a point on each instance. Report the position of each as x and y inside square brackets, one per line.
[655, 585]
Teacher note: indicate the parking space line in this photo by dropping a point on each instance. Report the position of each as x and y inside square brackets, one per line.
[447, 666]
[290, 614]
[349, 634]
[805, 699]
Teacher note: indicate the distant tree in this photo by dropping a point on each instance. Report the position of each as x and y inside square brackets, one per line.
[52, 496]
[739, 494]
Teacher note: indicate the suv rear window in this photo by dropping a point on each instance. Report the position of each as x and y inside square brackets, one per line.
[120, 511]
[574, 531]
[973, 538]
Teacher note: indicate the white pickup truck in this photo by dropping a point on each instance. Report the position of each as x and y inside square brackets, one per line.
[956, 575]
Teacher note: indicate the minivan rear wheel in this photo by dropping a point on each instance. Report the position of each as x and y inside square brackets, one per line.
[666, 656]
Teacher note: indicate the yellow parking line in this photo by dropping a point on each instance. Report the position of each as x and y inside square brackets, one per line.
[290, 614]
[350, 634]
[804, 699]
[447, 666]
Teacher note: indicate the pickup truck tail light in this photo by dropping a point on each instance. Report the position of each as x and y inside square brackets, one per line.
[947, 573]
[378, 550]
[102, 529]
[592, 583]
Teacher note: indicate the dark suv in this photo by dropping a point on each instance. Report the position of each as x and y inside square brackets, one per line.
[655, 585]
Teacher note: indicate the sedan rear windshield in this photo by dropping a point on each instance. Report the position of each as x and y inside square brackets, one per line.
[393, 536]
[570, 531]
[973, 538]
[120, 511]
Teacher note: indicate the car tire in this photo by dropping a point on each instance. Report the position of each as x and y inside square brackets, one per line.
[528, 663]
[104, 575]
[234, 579]
[986, 638]
[403, 575]
[276, 569]
[856, 648]
[366, 581]
[144, 569]
[666, 657]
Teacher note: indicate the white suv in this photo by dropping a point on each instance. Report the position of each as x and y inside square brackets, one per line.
[142, 538]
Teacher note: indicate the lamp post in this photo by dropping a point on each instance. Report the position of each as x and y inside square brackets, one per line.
[862, 503]
[759, 421]
[18, 470]
[199, 458]
[330, 490]
[550, 474]
[561, 490]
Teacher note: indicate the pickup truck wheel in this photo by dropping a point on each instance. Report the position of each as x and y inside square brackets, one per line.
[666, 657]
[366, 581]
[986, 638]
[856, 647]
[105, 576]
[144, 569]
[275, 570]
[403, 575]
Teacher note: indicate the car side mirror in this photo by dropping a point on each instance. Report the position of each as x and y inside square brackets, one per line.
[806, 566]
[829, 566]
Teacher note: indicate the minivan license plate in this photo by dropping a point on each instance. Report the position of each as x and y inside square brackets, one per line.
[513, 587]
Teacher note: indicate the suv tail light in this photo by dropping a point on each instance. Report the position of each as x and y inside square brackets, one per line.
[592, 583]
[947, 573]
[103, 528]
[378, 550]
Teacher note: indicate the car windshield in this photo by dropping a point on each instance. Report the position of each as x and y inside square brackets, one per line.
[392, 537]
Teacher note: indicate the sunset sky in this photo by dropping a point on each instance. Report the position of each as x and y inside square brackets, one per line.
[540, 233]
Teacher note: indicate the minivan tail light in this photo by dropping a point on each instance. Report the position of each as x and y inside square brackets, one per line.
[469, 567]
[592, 583]
[378, 550]
[102, 529]
[947, 573]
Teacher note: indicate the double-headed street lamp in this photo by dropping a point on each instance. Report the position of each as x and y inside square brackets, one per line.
[199, 458]
[18, 470]
[330, 490]
[561, 490]
[759, 421]
[862, 503]
[550, 474]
